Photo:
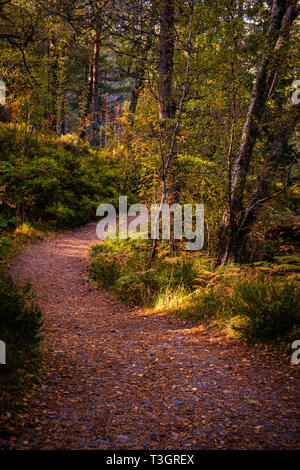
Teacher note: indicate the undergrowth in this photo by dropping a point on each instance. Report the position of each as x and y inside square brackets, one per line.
[124, 265]
[259, 304]
[55, 182]
[21, 330]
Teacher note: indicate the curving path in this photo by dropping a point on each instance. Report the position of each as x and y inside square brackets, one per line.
[118, 377]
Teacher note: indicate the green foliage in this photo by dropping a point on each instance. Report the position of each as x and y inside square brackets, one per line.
[257, 309]
[292, 259]
[5, 224]
[272, 308]
[127, 245]
[5, 244]
[124, 265]
[249, 305]
[52, 184]
[205, 306]
[20, 319]
[137, 287]
[26, 233]
[21, 330]
[104, 271]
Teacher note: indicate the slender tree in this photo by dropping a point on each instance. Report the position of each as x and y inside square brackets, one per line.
[282, 16]
[263, 189]
[172, 148]
[166, 60]
[95, 89]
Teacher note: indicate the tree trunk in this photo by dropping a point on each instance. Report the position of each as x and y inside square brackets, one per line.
[87, 99]
[95, 90]
[166, 51]
[172, 148]
[53, 84]
[282, 17]
[139, 82]
[140, 73]
[264, 181]
[63, 115]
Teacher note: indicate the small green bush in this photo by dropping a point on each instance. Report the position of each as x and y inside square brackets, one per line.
[173, 298]
[26, 233]
[179, 271]
[139, 288]
[206, 306]
[104, 271]
[272, 308]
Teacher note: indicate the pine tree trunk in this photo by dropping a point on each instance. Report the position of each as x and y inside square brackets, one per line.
[95, 90]
[87, 99]
[53, 84]
[166, 51]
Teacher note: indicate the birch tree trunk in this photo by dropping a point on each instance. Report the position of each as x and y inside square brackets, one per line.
[282, 15]
[264, 182]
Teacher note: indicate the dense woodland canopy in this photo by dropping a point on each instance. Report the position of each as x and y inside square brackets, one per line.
[192, 99]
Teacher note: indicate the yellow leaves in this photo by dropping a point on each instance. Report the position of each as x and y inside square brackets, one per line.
[254, 402]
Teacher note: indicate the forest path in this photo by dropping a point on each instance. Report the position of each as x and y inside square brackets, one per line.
[125, 378]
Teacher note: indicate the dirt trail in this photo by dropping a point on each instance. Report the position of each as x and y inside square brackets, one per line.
[125, 378]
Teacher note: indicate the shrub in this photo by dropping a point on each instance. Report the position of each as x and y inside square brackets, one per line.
[270, 306]
[258, 309]
[173, 299]
[104, 271]
[21, 330]
[5, 245]
[205, 306]
[176, 271]
[51, 183]
[124, 265]
[27, 233]
[139, 287]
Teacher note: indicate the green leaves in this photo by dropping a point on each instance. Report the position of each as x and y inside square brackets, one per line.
[5, 222]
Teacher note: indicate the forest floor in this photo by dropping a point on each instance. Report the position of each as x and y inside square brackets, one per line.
[119, 377]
